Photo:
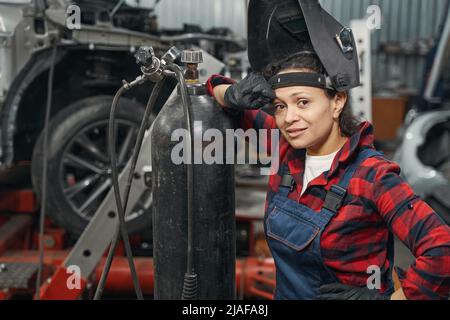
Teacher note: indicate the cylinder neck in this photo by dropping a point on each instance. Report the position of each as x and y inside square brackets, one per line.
[196, 89]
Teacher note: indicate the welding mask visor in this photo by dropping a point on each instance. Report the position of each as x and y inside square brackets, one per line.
[280, 28]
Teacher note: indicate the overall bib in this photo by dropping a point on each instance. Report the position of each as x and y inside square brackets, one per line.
[293, 233]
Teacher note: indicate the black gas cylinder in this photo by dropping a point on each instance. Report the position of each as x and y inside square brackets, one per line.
[213, 203]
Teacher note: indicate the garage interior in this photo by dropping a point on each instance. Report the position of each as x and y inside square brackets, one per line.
[51, 226]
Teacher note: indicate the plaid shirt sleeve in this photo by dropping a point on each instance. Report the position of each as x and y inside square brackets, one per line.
[249, 119]
[417, 225]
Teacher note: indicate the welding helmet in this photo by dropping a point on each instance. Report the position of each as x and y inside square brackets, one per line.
[281, 28]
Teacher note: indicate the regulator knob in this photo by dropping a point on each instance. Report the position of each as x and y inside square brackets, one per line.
[191, 56]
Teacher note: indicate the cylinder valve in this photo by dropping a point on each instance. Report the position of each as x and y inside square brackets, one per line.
[191, 58]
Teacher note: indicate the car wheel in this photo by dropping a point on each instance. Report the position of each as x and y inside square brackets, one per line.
[79, 166]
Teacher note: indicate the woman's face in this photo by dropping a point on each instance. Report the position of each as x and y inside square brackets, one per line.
[306, 116]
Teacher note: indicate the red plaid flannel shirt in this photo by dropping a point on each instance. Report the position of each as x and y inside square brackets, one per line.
[378, 204]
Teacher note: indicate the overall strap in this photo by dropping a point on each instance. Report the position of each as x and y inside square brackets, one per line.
[336, 195]
[287, 182]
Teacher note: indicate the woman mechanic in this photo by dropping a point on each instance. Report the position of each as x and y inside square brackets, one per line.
[335, 203]
[326, 154]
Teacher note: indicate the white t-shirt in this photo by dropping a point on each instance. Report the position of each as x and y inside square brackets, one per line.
[315, 166]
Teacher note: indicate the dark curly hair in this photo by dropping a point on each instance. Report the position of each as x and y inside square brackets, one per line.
[309, 61]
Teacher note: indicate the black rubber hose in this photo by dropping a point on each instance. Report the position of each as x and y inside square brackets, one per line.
[107, 267]
[115, 183]
[190, 286]
[44, 170]
[116, 238]
[140, 137]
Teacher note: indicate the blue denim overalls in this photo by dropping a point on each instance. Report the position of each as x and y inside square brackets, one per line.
[293, 233]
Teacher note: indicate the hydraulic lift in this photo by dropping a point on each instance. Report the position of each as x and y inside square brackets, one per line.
[255, 277]
[19, 262]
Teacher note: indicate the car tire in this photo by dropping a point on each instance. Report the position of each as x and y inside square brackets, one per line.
[66, 129]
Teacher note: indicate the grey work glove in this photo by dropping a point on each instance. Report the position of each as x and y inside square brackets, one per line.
[252, 92]
[338, 291]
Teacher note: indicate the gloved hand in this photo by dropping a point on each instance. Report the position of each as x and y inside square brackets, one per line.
[338, 291]
[252, 92]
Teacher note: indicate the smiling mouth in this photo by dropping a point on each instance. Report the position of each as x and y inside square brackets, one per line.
[293, 133]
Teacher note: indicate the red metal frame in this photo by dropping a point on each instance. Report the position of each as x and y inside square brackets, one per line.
[6, 294]
[254, 276]
[13, 231]
[18, 201]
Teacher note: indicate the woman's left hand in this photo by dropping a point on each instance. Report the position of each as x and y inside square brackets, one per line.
[339, 291]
